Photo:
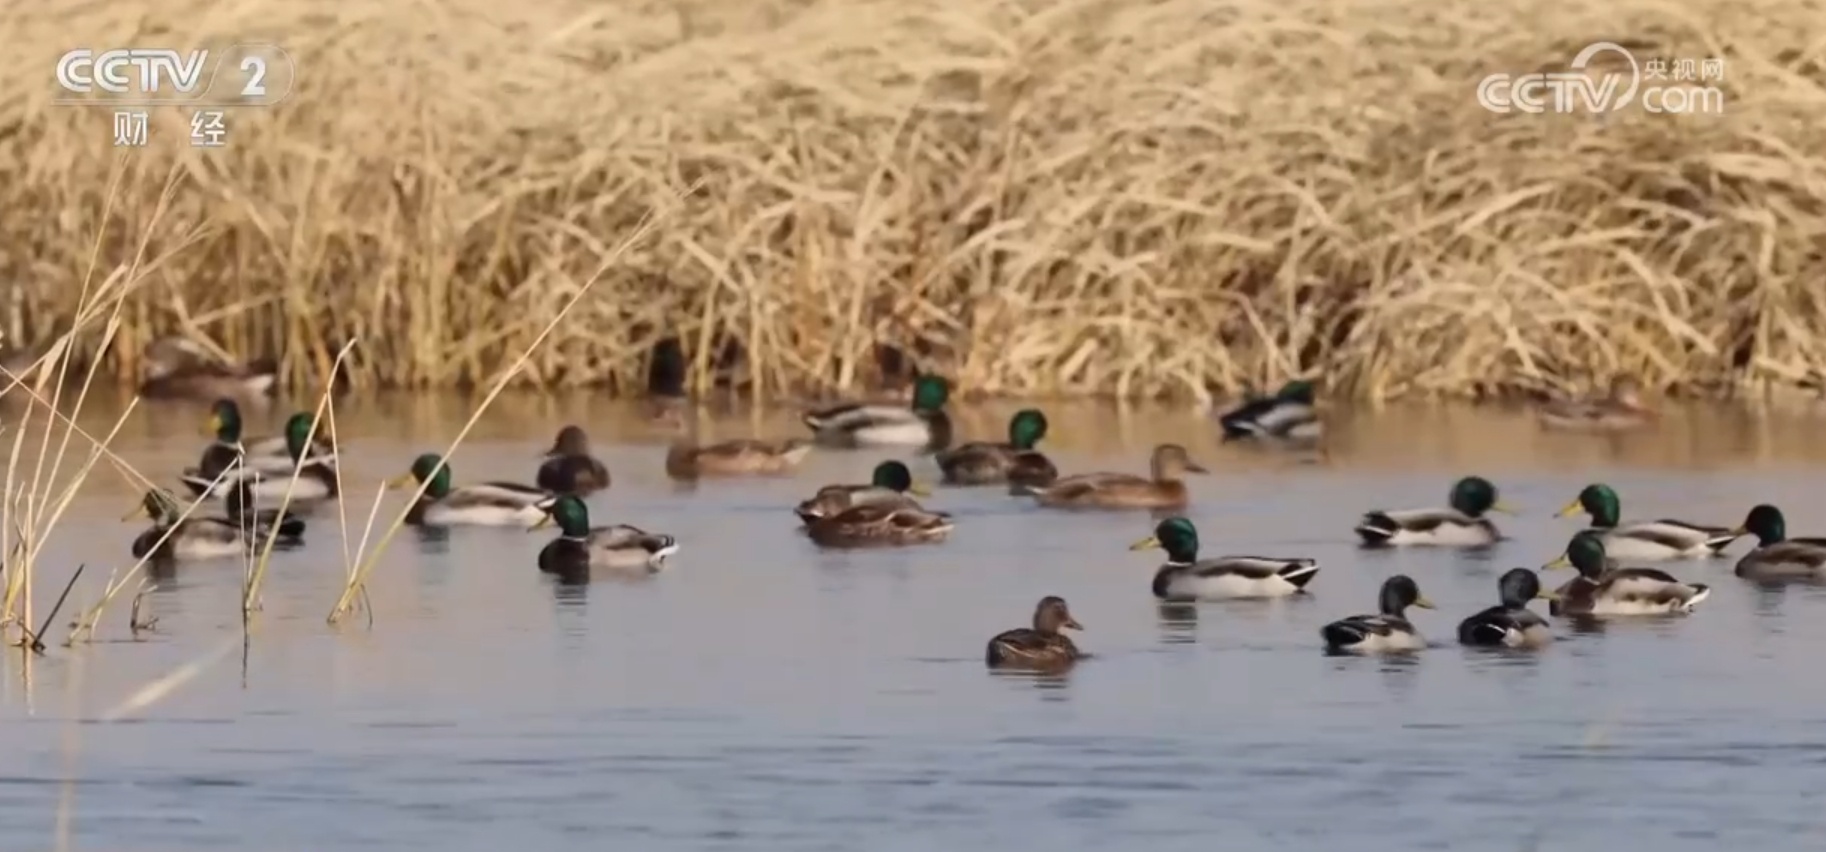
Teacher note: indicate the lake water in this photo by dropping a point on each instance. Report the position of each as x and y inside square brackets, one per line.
[765, 695]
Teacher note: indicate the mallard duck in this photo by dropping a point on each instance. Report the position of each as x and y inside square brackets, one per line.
[569, 468]
[1163, 488]
[1645, 541]
[1387, 630]
[1619, 410]
[1289, 415]
[1041, 646]
[1778, 557]
[1604, 589]
[743, 457]
[890, 486]
[316, 475]
[241, 509]
[1015, 462]
[880, 524]
[227, 452]
[1461, 525]
[489, 504]
[180, 368]
[1511, 623]
[1185, 577]
[579, 547]
[173, 536]
[855, 424]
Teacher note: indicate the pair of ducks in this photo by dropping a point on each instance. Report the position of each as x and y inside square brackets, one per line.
[242, 527]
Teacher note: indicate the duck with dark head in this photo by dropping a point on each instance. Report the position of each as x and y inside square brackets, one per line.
[569, 468]
[924, 424]
[1016, 461]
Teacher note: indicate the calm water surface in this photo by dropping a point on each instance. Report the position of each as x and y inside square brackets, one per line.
[765, 695]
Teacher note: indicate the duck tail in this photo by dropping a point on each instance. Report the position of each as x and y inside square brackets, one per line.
[1342, 634]
[1300, 572]
[1376, 528]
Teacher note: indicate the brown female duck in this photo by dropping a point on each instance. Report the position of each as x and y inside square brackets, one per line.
[1619, 410]
[1015, 462]
[741, 457]
[569, 468]
[880, 524]
[1040, 647]
[1163, 488]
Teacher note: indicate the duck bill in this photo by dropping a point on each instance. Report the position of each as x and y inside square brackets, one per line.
[1570, 509]
[1505, 508]
[1195, 467]
[543, 522]
[212, 426]
[1149, 543]
[1559, 562]
[1072, 623]
[1544, 595]
[138, 512]
[404, 480]
[1739, 531]
[919, 489]
[1423, 603]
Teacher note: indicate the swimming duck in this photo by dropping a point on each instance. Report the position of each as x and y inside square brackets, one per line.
[1604, 589]
[240, 507]
[742, 457]
[268, 455]
[1645, 541]
[180, 368]
[1287, 416]
[1389, 629]
[1619, 410]
[569, 468]
[579, 547]
[1042, 646]
[175, 537]
[1185, 577]
[1511, 623]
[890, 486]
[490, 504]
[925, 424]
[1016, 462]
[1778, 557]
[880, 524]
[316, 475]
[1163, 488]
[1461, 525]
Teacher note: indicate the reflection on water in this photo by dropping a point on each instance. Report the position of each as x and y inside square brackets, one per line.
[765, 693]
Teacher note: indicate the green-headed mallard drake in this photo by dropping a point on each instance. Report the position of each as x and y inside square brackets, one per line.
[1015, 462]
[1461, 525]
[316, 476]
[1387, 630]
[227, 450]
[569, 468]
[890, 486]
[1645, 541]
[488, 504]
[241, 507]
[175, 537]
[1778, 557]
[1186, 577]
[580, 547]
[180, 368]
[742, 457]
[1289, 415]
[1163, 488]
[1604, 589]
[1619, 410]
[1510, 624]
[875, 524]
[924, 424]
[1040, 647]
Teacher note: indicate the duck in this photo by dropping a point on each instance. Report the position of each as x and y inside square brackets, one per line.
[741, 457]
[1604, 589]
[1040, 647]
[240, 507]
[580, 547]
[1163, 488]
[890, 485]
[1776, 556]
[1288, 415]
[175, 537]
[1510, 624]
[925, 424]
[1619, 410]
[316, 475]
[1645, 541]
[180, 368]
[1387, 630]
[1015, 462]
[880, 524]
[1462, 524]
[484, 504]
[227, 452]
[569, 468]
[1184, 577]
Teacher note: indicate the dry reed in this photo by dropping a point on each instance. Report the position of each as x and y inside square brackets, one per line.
[1035, 196]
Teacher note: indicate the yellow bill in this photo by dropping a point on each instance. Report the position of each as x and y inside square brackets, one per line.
[1148, 543]
[1570, 509]
[543, 522]
[139, 511]
[1559, 562]
[1544, 595]
[1505, 508]
[1422, 602]
[919, 489]
[404, 480]
[212, 426]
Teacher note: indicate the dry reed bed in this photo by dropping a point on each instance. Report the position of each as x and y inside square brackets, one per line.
[1066, 197]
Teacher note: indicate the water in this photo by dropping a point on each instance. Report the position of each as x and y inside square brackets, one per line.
[766, 695]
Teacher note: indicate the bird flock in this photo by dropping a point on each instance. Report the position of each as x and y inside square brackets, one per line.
[245, 473]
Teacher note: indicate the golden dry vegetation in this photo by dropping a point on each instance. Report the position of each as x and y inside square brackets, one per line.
[1060, 197]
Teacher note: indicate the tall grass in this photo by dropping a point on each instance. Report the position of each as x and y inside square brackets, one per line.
[1036, 196]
